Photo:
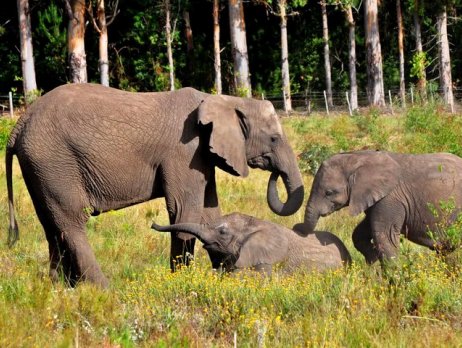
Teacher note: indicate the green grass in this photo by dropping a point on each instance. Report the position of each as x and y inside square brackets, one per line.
[148, 306]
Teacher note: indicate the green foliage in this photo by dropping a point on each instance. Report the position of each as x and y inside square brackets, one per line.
[51, 44]
[430, 130]
[447, 234]
[312, 157]
[6, 126]
[418, 65]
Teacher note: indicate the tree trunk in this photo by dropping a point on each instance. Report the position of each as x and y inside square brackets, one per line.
[216, 45]
[352, 58]
[103, 42]
[402, 84]
[189, 47]
[168, 34]
[375, 90]
[239, 48]
[421, 74]
[325, 36]
[285, 57]
[27, 56]
[444, 58]
[76, 42]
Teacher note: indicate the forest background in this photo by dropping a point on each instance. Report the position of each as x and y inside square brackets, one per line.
[138, 58]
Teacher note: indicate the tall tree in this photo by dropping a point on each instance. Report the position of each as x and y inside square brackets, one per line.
[77, 58]
[419, 59]
[444, 57]
[188, 33]
[375, 90]
[100, 24]
[239, 48]
[216, 45]
[352, 56]
[327, 67]
[168, 37]
[285, 56]
[402, 84]
[347, 7]
[27, 56]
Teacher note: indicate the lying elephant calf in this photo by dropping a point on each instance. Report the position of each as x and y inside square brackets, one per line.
[237, 241]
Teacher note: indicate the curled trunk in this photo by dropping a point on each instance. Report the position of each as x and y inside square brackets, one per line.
[294, 186]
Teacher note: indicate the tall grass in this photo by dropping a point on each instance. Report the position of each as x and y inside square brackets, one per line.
[147, 305]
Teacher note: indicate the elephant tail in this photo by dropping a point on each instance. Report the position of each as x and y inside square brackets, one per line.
[13, 232]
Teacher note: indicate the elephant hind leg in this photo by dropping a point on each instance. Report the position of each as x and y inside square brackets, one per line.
[362, 240]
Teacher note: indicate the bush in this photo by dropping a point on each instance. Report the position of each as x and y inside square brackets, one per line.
[312, 157]
[6, 125]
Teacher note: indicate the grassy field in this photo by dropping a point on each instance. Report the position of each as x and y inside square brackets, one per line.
[148, 306]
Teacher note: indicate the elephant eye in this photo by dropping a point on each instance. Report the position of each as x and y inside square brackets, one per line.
[330, 193]
[274, 138]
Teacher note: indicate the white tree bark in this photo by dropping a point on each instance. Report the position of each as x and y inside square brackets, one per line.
[402, 82]
[444, 58]
[76, 41]
[216, 45]
[375, 89]
[352, 58]
[103, 42]
[239, 48]
[27, 55]
[285, 57]
[325, 36]
[168, 34]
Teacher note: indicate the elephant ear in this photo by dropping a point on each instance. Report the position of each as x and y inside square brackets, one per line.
[227, 138]
[263, 247]
[375, 178]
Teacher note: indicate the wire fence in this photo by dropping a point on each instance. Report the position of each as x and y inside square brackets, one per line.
[313, 101]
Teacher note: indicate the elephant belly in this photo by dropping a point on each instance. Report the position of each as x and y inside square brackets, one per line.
[116, 187]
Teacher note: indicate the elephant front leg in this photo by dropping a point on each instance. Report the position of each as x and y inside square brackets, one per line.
[190, 198]
[362, 240]
[386, 225]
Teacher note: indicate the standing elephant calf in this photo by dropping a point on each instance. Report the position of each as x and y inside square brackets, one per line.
[237, 241]
[417, 196]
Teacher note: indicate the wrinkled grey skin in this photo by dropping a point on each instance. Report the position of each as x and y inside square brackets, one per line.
[85, 149]
[237, 241]
[395, 191]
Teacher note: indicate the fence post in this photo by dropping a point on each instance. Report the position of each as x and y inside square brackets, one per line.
[391, 102]
[10, 97]
[348, 102]
[262, 96]
[412, 96]
[325, 100]
[307, 102]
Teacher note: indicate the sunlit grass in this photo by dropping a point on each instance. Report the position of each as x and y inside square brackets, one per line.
[420, 304]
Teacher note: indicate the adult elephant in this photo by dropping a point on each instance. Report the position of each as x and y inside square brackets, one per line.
[85, 149]
[418, 196]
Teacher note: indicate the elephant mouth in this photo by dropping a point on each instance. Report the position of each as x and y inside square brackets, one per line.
[260, 162]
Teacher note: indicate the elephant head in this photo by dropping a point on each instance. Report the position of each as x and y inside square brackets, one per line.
[247, 132]
[236, 241]
[356, 179]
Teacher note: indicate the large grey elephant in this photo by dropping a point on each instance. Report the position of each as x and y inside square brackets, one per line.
[85, 149]
[417, 196]
[237, 241]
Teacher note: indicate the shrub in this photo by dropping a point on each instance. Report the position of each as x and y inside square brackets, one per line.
[6, 125]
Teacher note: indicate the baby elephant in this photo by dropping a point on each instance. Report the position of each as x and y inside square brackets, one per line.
[237, 241]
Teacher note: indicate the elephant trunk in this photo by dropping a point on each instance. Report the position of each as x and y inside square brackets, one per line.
[310, 221]
[295, 193]
[197, 230]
